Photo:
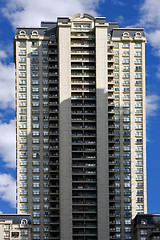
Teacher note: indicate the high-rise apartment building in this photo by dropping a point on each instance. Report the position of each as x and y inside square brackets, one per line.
[81, 130]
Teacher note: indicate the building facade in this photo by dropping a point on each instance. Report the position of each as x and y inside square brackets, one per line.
[146, 227]
[81, 130]
[15, 226]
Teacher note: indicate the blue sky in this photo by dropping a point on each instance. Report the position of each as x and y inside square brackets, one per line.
[135, 13]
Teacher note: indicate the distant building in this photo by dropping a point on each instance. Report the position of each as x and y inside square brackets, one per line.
[146, 227]
[15, 226]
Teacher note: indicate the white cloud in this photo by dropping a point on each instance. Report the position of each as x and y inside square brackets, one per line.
[150, 13]
[152, 105]
[3, 54]
[120, 19]
[30, 13]
[7, 86]
[150, 20]
[154, 39]
[8, 143]
[8, 189]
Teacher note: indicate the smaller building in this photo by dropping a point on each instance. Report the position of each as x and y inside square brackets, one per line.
[146, 227]
[15, 226]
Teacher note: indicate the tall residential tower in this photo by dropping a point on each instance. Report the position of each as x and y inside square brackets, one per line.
[81, 130]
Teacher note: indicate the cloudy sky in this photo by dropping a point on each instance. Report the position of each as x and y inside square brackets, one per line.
[135, 13]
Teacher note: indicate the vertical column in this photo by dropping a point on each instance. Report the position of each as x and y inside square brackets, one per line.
[121, 104]
[65, 159]
[102, 132]
[132, 125]
[144, 128]
[17, 126]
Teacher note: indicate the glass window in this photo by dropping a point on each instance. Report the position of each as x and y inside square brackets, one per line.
[116, 60]
[44, 43]
[35, 125]
[36, 192]
[22, 74]
[23, 96]
[35, 52]
[126, 75]
[138, 126]
[125, 44]
[24, 184]
[35, 74]
[126, 104]
[35, 104]
[35, 89]
[36, 221]
[138, 53]
[35, 43]
[126, 68]
[22, 52]
[125, 60]
[125, 53]
[23, 170]
[127, 199]
[36, 229]
[35, 140]
[143, 231]
[36, 177]
[126, 126]
[22, 66]
[128, 229]
[36, 199]
[44, 52]
[24, 232]
[138, 60]
[23, 199]
[44, 60]
[23, 104]
[116, 44]
[138, 75]
[36, 214]
[36, 236]
[139, 155]
[127, 184]
[35, 133]
[35, 82]
[118, 221]
[35, 96]
[127, 207]
[127, 177]
[127, 170]
[23, 177]
[36, 170]
[139, 170]
[35, 67]
[22, 59]
[46, 221]
[34, 59]
[128, 236]
[139, 163]
[140, 192]
[22, 81]
[34, 148]
[22, 43]
[128, 221]
[127, 214]
[138, 45]
[139, 177]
